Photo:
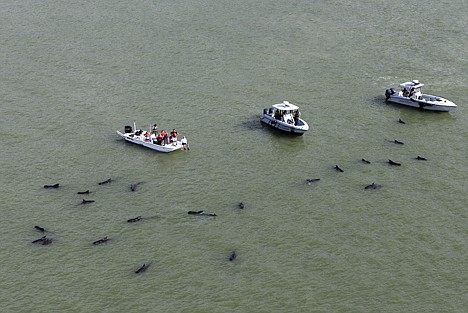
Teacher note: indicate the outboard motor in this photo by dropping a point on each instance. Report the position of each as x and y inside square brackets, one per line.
[128, 129]
[389, 92]
[265, 111]
[271, 111]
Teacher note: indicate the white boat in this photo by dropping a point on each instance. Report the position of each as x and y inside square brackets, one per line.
[152, 139]
[286, 117]
[411, 95]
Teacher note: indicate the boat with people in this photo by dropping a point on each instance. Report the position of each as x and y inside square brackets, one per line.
[159, 141]
[411, 95]
[285, 116]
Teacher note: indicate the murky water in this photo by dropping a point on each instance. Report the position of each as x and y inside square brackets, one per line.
[75, 72]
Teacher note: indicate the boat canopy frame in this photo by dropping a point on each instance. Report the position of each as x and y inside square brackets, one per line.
[286, 107]
[415, 84]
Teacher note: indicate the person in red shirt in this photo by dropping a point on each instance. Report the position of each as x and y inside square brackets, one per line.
[174, 137]
[165, 137]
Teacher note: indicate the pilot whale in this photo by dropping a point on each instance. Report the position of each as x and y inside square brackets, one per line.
[133, 187]
[233, 255]
[135, 219]
[39, 228]
[106, 182]
[201, 213]
[142, 268]
[43, 241]
[393, 163]
[52, 186]
[98, 242]
[373, 186]
[312, 180]
[338, 169]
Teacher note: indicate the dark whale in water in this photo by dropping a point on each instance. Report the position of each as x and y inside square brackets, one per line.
[338, 169]
[135, 219]
[393, 163]
[421, 158]
[51, 186]
[312, 180]
[39, 228]
[143, 268]
[87, 201]
[43, 241]
[106, 182]
[87, 192]
[98, 242]
[398, 142]
[201, 213]
[365, 161]
[133, 187]
[233, 255]
[373, 186]
[241, 205]
[401, 121]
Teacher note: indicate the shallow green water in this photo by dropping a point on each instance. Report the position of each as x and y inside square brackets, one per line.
[75, 72]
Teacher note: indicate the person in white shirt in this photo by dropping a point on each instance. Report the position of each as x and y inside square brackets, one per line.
[185, 143]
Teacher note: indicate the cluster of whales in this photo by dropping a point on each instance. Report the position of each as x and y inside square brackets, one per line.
[390, 162]
[44, 240]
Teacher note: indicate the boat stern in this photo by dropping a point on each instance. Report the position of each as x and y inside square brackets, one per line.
[389, 92]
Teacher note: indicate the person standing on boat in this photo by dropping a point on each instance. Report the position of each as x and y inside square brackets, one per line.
[159, 139]
[174, 136]
[154, 130]
[164, 137]
[277, 114]
[185, 143]
[297, 116]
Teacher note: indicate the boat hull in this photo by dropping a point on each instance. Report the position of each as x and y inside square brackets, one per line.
[289, 128]
[170, 147]
[425, 102]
